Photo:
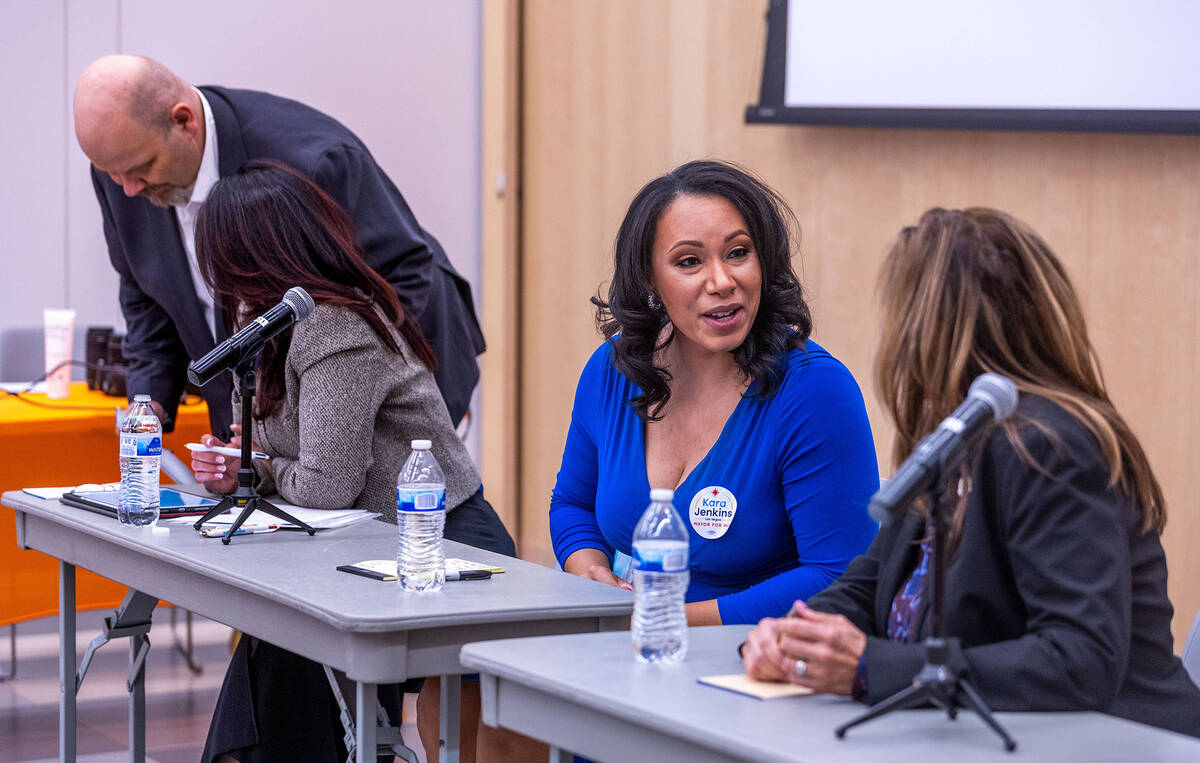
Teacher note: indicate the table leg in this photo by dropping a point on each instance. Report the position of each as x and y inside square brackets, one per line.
[12, 659]
[448, 723]
[137, 704]
[186, 648]
[366, 718]
[66, 662]
[559, 755]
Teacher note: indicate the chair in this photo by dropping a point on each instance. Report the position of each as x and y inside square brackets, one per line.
[1191, 651]
[389, 741]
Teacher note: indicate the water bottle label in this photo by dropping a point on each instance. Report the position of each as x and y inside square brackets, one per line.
[420, 500]
[137, 444]
[659, 559]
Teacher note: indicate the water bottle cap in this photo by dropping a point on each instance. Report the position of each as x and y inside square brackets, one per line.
[422, 444]
[141, 398]
[662, 494]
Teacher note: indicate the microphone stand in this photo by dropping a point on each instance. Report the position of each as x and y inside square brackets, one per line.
[936, 682]
[246, 497]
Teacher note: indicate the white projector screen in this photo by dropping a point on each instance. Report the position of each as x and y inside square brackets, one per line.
[1107, 65]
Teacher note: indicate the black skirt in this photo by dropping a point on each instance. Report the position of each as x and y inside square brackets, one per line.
[277, 706]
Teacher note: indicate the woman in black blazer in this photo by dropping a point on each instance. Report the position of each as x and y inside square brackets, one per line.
[1056, 583]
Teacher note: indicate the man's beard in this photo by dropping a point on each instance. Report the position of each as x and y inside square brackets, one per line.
[166, 195]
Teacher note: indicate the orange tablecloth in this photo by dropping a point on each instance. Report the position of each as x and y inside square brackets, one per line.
[55, 447]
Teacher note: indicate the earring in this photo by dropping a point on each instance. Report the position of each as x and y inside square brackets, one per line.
[652, 302]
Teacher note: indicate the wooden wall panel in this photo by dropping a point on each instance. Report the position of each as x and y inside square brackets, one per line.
[500, 315]
[617, 92]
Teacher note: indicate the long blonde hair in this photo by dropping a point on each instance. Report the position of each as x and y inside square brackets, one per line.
[971, 291]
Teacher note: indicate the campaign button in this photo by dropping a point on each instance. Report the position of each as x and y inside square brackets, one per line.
[712, 511]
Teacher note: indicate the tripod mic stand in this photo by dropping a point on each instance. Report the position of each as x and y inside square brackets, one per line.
[246, 497]
[935, 682]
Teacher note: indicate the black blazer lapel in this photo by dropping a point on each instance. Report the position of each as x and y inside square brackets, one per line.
[231, 146]
[163, 272]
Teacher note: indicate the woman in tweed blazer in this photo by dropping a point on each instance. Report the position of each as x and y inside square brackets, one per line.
[341, 395]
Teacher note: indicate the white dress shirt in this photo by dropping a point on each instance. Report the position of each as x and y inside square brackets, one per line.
[207, 177]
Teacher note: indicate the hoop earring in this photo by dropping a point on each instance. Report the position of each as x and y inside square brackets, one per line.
[653, 302]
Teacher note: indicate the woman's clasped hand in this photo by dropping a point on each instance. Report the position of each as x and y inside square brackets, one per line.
[813, 649]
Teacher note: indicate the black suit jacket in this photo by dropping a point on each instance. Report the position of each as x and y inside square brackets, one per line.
[1055, 599]
[164, 316]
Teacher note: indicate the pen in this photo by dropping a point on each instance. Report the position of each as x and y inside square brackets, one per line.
[219, 530]
[365, 572]
[376, 575]
[256, 455]
[469, 575]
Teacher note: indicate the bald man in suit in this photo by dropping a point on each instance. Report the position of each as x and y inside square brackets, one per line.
[158, 144]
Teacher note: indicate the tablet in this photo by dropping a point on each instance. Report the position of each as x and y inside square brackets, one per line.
[171, 502]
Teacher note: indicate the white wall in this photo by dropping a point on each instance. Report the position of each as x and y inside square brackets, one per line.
[33, 209]
[404, 75]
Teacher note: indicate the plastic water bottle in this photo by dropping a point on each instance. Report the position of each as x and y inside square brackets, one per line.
[421, 516]
[660, 581]
[140, 451]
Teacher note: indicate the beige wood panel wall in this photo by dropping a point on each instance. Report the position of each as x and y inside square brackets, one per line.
[499, 367]
[619, 91]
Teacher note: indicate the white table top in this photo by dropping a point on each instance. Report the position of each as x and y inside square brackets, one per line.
[284, 587]
[586, 693]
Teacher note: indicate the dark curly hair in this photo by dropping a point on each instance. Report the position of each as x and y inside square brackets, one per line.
[633, 327]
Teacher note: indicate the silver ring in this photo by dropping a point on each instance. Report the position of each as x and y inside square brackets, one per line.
[801, 667]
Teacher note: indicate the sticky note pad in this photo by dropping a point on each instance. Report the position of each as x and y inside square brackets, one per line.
[742, 684]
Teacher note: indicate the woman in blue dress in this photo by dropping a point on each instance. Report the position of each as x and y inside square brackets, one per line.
[708, 384]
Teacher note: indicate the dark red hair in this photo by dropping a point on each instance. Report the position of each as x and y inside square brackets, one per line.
[268, 228]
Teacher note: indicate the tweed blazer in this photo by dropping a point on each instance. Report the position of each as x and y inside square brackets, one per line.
[351, 409]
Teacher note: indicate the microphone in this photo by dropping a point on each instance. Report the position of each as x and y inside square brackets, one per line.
[991, 398]
[296, 306]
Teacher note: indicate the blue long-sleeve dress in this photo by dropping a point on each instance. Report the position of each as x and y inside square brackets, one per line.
[795, 470]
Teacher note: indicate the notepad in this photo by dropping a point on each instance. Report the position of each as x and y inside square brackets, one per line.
[53, 493]
[318, 519]
[743, 684]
